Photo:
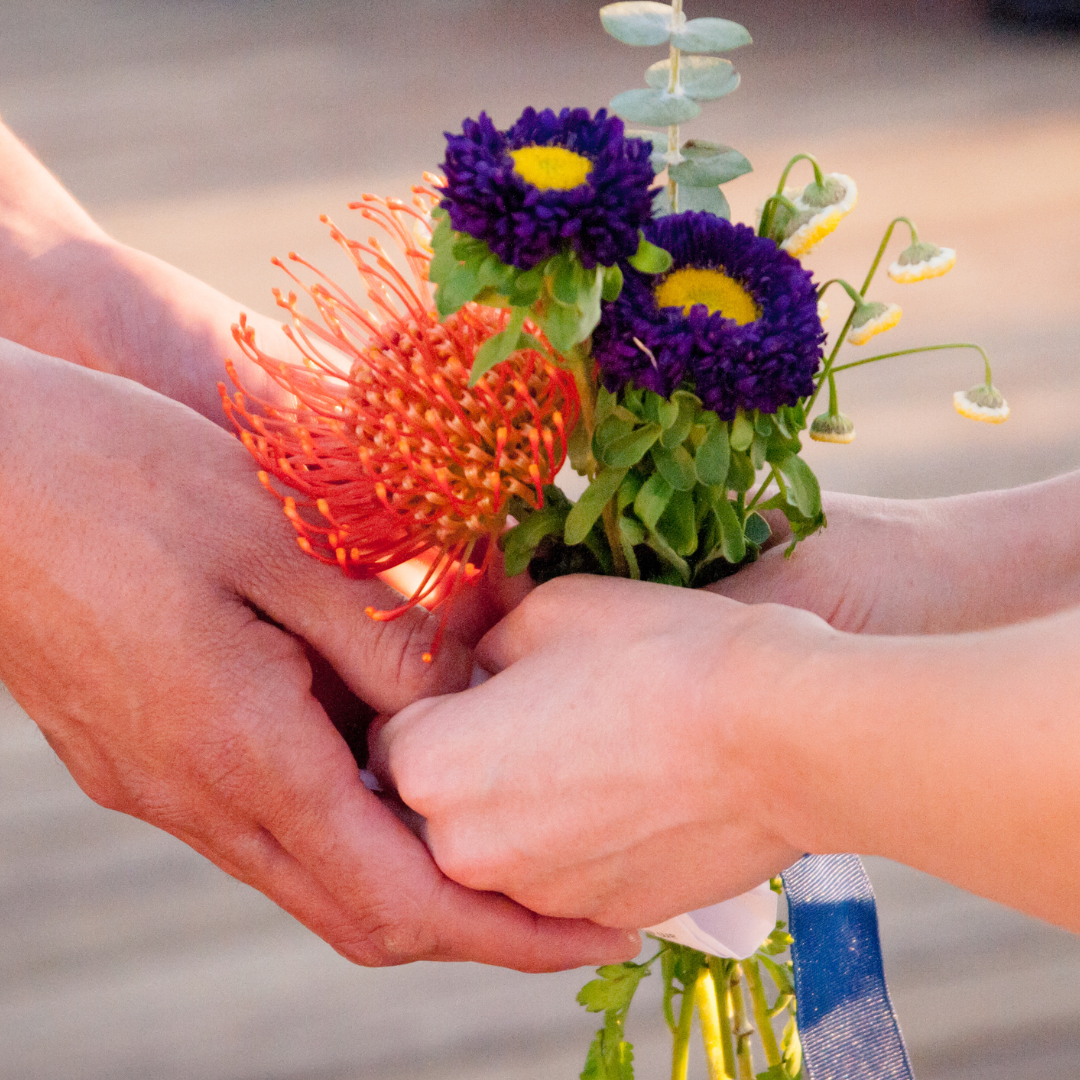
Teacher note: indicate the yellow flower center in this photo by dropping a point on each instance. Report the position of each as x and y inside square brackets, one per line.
[689, 286]
[551, 167]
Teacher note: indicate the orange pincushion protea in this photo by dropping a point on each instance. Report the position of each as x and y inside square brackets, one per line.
[397, 457]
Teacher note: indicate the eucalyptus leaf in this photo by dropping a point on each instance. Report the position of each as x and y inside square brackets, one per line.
[629, 449]
[655, 107]
[704, 78]
[676, 466]
[707, 164]
[637, 22]
[498, 347]
[650, 259]
[661, 204]
[591, 505]
[651, 501]
[710, 35]
[713, 455]
[711, 199]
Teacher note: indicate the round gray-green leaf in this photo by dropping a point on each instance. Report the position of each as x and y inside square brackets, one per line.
[704, 78]
[637, 22]
[710, 35]
[711, 199]
[707, 164]
[656, 107]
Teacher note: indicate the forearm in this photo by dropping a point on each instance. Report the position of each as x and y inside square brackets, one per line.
[957, 755]
[73, 292]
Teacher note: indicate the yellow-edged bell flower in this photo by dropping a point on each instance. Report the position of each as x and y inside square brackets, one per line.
[871, 319]
[983, 402]
[922, 261]
[832, 427]
[819, 210]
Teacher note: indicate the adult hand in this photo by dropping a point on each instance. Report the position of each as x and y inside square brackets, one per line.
[928, 566]
[155, 613]
[617, 767]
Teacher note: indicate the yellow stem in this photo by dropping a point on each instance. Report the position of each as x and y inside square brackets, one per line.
[709, 1014]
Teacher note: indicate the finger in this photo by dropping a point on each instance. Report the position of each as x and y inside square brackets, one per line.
[304, 789]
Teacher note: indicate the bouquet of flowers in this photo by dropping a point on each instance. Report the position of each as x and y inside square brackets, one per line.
[569, 289]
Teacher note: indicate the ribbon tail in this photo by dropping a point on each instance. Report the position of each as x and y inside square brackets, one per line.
[846, 1020]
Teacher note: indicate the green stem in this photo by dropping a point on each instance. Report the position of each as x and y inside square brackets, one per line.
[743, 1028]
[819, 179]
[673, 129]
[761, 1012]
[920, 349]
[721, 976]
[884, 244]
[834, 405]
[768, 212]
[709, 1015]
[827, 369]
[614, 539]
[761, 491]
[680, 1054]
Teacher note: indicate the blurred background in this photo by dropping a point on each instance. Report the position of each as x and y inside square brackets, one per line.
[213, 133]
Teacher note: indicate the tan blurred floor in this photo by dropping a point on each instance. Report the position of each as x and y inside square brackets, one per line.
[213, 134]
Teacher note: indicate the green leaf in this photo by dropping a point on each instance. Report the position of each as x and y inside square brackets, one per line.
[704, 78]
[677, 525]
[803, 490]
[594, 1060]
[774, 1072]
[561, 325]
[710, 199]
[614, 989]
[442, 245]
[591, 504]
[733, 541]
[757, 529]
[629, 449]
[714, 455]
[526, 287]
[521, 542]
[637, 22]
[742, 431]
[628, 490]
[568, 280]
[614, 426]
[675, 433]
[655, 107]
[579, 448]
[676, 466]
[679, 570]
[613, 281]
[707, 164]
[650, 259]
[710, 35]
[460, 286]
[498, 347]
[758, 449]
[651, 501]
[605, 403]
[667, 412]
[632, 530]
[741, 473]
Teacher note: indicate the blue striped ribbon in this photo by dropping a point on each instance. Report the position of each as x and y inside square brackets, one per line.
[846, 1021]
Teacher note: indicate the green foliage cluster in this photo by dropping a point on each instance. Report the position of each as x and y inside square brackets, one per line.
[674, 89]
[559, 295]
[679, 484]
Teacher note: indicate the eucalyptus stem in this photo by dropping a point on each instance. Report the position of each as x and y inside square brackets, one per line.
[743, 1028]
[761, 1012]
[720, 970]
[921, 349]
[673, 129]
[680, 1053]
[709, 1015]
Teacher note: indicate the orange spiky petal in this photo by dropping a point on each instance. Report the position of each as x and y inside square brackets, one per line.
[386, 444]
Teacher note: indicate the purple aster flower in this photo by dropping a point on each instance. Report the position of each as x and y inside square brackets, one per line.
[550, 183]
[735, 318]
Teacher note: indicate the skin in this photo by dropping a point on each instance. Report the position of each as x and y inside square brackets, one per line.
[943, 735]
[185, 660]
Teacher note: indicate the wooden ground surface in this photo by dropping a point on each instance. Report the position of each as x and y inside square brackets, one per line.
[213, 134]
